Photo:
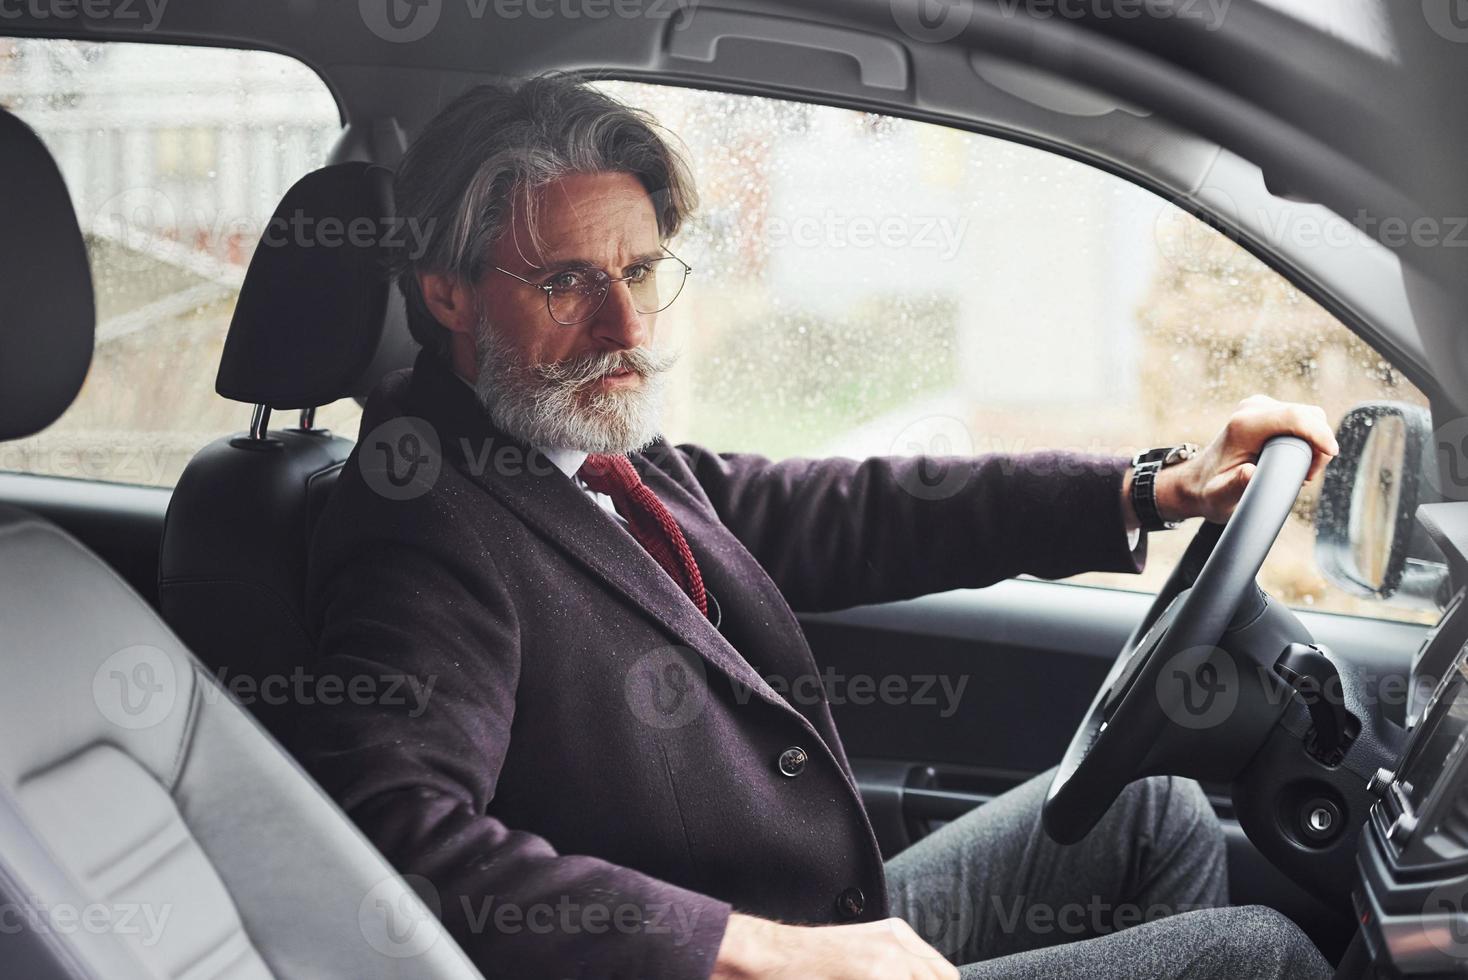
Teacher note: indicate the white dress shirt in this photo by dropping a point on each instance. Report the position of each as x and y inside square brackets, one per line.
[568, 461]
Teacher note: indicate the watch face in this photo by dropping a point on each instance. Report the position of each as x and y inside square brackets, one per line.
[1178, 454]
[1166, 455]
[1151, 456]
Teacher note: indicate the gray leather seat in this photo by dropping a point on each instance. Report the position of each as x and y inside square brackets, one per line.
[148, 827]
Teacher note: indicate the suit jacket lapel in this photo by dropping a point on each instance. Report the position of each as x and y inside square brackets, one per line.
[547, 500]
[729, 569]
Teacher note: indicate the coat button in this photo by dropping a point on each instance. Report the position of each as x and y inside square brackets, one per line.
[851, 903]
[792, 761]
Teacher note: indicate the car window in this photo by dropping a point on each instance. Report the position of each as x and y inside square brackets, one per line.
[175, 158]
[866, 285]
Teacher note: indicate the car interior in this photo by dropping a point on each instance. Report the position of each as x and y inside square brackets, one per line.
[196, 810]
[1257, 120]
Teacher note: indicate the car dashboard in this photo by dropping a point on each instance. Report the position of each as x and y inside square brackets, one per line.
[1411, 897]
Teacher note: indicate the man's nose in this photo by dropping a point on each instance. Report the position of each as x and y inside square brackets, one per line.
[617, 324]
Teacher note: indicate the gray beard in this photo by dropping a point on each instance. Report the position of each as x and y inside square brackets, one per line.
[556, 406]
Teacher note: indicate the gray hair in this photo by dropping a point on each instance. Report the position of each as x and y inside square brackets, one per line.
[485, 154]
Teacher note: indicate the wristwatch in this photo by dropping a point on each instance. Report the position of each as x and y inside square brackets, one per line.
[1145, 467]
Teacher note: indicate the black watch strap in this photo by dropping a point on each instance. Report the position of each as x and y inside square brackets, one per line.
[1145, 467]
[1144, 497]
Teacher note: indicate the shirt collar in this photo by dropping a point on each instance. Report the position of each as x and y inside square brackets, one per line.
[568, 461]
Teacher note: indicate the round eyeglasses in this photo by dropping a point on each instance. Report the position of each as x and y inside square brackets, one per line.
[575, 295]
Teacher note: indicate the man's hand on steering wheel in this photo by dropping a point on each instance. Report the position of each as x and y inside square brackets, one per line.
[1210, 484]
[1145, 719]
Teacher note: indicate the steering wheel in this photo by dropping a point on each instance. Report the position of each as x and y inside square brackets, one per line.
[1151, 695]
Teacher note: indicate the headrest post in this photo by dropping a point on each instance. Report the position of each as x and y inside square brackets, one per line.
[308, 419]
[260, 423]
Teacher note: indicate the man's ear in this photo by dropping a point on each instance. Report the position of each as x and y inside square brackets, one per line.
[450, 299]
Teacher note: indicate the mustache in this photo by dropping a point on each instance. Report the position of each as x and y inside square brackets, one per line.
[578, 372]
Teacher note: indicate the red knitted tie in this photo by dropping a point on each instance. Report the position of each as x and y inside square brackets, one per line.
[647, 519]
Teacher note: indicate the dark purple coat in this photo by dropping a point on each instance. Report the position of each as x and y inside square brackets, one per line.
[593, 780]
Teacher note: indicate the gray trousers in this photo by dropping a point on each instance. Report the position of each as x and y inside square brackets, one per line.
[1145, 895]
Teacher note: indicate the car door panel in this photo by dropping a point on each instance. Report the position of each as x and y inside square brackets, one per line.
[1028, 656]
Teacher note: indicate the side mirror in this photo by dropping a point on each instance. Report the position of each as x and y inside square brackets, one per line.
[1367, 540]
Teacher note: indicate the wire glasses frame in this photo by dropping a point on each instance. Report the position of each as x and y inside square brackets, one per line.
[595, 291]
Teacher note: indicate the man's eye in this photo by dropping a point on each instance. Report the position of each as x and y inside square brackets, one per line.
[569, 280]
[638, 272]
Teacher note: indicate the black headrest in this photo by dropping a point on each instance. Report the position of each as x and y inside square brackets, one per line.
[316, 319]
[46, 312]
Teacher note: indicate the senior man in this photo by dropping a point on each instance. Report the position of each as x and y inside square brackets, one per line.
[603, 782]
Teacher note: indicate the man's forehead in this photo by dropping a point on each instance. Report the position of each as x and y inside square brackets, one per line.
[587, 217]
[591, 193]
